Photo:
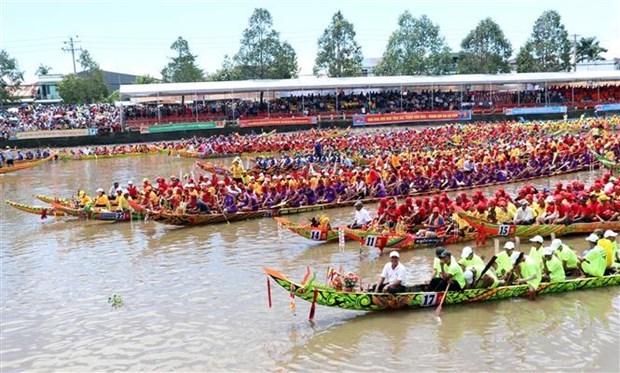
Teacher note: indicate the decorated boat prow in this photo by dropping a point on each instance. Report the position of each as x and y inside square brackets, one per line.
[308, 231]
[417, 297]
[42, 211]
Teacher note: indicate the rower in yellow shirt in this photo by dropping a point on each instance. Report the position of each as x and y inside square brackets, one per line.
[236, 170]
[122, 204]
[101, 200]
[83, 198]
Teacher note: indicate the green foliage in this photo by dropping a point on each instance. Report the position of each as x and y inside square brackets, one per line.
[485, 50]
[182, 68]
[415, 48]
[227, 72]
[113, 97]
[145, 79]
[262, 55]
[87, 62]
[588, 50]
[79, 90]
[339, 54]
[10, 75]
[548, 48]
[43, 70]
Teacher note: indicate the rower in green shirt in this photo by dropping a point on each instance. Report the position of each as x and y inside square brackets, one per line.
[527, 272]
[468, 258]
[553, 271]
[537, 249]
[594, 263]
[568, 258]
[503, 264]
[473, 280]
[437, 262]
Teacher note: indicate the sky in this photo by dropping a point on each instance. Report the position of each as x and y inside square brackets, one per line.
[134, 37]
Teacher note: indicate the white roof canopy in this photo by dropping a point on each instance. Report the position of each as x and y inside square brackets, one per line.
[313, 83]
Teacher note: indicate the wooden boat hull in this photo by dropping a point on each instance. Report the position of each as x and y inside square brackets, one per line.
[363, 301]
[490, 229]
[89, 157]
[36, 210]
[24, 165]
[48, 199]
[308, 232]
[99, 215]
[393, 241]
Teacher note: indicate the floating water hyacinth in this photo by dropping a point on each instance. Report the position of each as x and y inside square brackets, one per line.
[115, 300]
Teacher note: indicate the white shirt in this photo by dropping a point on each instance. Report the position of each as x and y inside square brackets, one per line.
[524, 215]
[362, 217]
[398, 273]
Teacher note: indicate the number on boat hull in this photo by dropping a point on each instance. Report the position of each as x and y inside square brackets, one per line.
[429, 299]
[315, 235]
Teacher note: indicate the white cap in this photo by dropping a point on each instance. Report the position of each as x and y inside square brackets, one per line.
[592, 238]
[555, 244]
[130, 182]
[467, 251]
[538, 239]
[514, 257]
[548, 251]
[100, 190]
[610, 233]
[509, 245]
[549, 199]
[469, 276]
[119, 190]
[394, 254]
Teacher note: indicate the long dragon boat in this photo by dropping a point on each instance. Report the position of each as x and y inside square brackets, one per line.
[406, 241]
[88, 214]
[417, 296]
[491, 229]
[606, 162]
[309, 232]
[36, 210]
[24, 165]
[87, 157]
[58, 200]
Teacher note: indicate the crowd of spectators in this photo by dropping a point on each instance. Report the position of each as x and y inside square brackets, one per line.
[107, 117]
[103, 117]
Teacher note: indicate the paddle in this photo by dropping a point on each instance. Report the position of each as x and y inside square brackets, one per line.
[438, 310]
[222, 208]
[484, 271]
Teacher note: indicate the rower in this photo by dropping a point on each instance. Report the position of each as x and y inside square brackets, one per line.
[566, 255]
[611, 235]
[472, 277]
[503, 263]
[594, 262]
[552, 269]
[536, 252]
[121, 201]
[524, 215]
[101, 200]
[469, 258]
[362, 217]
[112, 191]
[393, 277]
[605, 243]
[437, 262]
[526, 271]
[83, 198]
[451, 273]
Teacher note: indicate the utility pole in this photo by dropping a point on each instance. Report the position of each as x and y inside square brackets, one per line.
[70, 47]
[575, 52]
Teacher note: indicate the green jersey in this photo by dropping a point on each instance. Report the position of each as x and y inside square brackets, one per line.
[556, 270]
[456, 271]
[475, 260]
[595, 262]
[566, 254]
[504, 264]
[528, 269]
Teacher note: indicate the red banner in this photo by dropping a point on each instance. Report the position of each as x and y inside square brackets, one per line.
[421, 116]
[269, 122]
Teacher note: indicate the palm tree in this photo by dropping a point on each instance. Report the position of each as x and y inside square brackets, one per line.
[588, 49]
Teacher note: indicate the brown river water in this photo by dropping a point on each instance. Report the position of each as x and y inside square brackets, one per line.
[195, 298]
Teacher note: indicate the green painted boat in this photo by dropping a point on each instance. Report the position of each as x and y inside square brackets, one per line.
[36, 210]
[89, 214]
[492, 230]
[309, 232]
[407, 241]
[419, 298]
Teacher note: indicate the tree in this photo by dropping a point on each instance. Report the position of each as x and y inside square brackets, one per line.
[10, 75]
[548, 45]
[87, 62]
[415, 48]
[485, 50]
[525, 58]
[43, 70]
[145, 79]
[588, 49]
[80, 90]
[338, 54]
[262, 55]
[227, 72]
[182, 68]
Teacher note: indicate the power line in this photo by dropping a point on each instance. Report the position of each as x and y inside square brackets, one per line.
[70, 47]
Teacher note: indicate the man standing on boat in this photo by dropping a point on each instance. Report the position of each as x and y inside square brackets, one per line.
[393, 277]
[362, 217]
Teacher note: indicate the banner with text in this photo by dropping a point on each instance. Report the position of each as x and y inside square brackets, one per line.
[421, 116]
[536, 110]
[50, 134]
[270, 122]
[188, 126]
[607, 107]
